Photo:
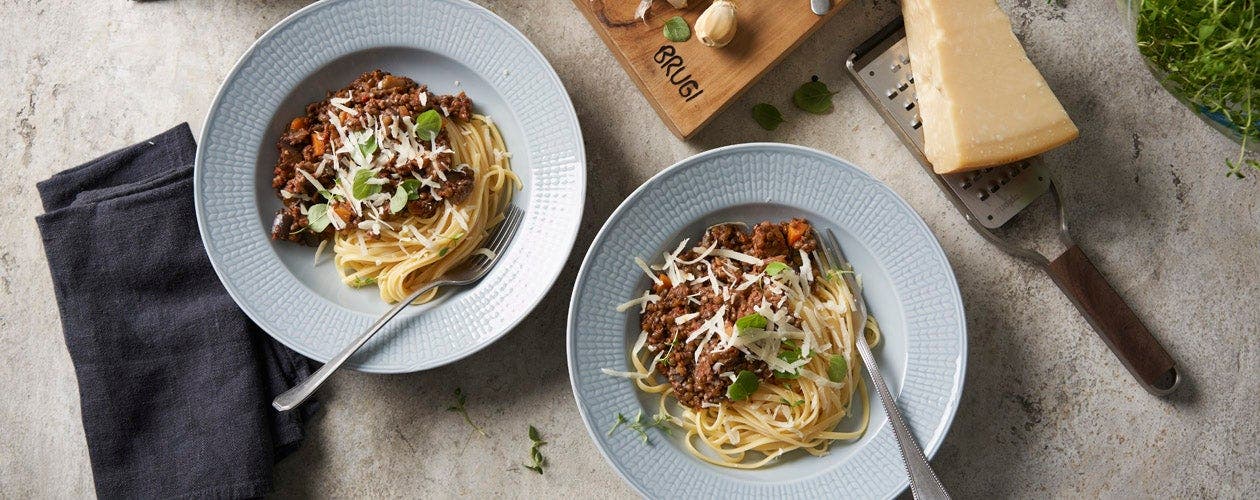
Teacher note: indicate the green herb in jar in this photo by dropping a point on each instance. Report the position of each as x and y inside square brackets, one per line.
[1211, 51]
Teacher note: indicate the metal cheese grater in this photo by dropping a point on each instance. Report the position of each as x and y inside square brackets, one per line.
[992, 197]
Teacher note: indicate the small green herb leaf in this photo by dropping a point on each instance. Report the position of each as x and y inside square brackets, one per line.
[413, 188]
[534, 455]
[361, 188]
[398, 201]
[317, 217]
[676, 29]
[837, 369]
[368, 147]
[442, 252]
[428, 124]
[774, 268]
[744, 385]
[791, 354]
[660, 422]
[813, 97]
[460, 399]
[792, 404]
[327, 195]
[753, 320]
[620, 419]
[1206, 29]
[767, 116]
[363, 281]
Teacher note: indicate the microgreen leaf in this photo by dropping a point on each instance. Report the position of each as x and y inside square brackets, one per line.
[792, 404]
[813, 97]
[361, 188]
[428, 124]
[774, 268]
[837, 368]
[368, 147]
[744, 385]
[534, 455]
[317, 217]
[767, 116]
[753, 320]
[413, 188]
[620, 419]
[398, 201]
[665, 359]
[637, 426]
[460, 399]
[660, 422]
[442, 252]
[676, 29]
[791, 354]
[363, 281]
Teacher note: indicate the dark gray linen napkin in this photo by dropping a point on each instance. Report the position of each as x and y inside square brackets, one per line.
[175, 382]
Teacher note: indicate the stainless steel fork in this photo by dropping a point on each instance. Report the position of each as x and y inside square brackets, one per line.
[471, 271]
[923, 482]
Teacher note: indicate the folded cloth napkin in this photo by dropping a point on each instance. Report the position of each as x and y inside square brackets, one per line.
[175, 381]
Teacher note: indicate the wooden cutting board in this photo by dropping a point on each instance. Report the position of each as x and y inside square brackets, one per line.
[686, 82]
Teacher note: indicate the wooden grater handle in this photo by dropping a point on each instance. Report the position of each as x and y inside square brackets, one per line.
[1114, 321]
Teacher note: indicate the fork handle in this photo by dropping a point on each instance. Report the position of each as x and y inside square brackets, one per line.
[1114, 321]
[299, 393]
[923, 482]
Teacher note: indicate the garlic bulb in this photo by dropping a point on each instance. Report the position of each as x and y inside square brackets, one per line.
[716, 26]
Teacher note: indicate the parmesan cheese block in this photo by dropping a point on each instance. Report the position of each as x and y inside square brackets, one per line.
[982, 102]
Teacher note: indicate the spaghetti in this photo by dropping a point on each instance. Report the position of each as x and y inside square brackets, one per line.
[411, 252]
[764, 312]
[404, 183]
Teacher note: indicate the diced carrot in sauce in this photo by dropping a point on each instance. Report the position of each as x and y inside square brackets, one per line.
[665, 279]
[317, 142]
[794, 233]
[298, 123]
[343, 210]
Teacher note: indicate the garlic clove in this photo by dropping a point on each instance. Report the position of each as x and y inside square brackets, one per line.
[716, 26]
[678, 4]
[641, 11]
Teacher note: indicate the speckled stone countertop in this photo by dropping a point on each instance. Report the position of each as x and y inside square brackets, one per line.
[1047, 410]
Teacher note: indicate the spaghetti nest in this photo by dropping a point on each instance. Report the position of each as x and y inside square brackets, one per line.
[751, 352]
[410, 252]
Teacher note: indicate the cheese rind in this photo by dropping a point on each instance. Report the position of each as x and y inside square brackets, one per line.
[982, 102]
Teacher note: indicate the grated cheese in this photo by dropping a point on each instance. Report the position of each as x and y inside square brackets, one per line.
[643, 299]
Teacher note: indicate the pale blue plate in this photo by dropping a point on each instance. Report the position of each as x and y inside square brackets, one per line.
[909, 287]
[451, 45]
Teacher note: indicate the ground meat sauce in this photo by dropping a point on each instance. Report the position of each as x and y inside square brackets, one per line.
[309, 137]
[697, 382]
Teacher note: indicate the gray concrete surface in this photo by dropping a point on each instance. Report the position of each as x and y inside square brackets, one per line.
[1047, 410]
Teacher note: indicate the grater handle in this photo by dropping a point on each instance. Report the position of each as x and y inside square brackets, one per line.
[1114, 321]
